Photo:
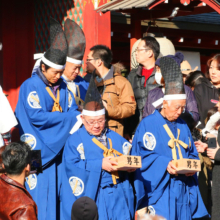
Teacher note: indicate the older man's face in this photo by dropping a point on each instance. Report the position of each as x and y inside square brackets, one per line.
[72, 70]
[94, 124]
[173, 108]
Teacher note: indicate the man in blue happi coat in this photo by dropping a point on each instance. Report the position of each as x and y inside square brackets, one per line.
[161, 138]
[76, 47]
[45, 119]
[87, 169]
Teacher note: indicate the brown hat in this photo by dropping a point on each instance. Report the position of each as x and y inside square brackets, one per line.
[186, 67]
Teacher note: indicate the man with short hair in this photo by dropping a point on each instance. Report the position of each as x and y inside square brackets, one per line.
[16, 202]
[161, 138]
[76, 47]
[116, 91]
[142, 79]
[87, 167]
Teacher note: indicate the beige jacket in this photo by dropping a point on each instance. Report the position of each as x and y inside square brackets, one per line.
[116, 90]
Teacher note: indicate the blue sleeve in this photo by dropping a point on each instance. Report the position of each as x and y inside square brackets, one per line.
[89, 171]
[154, 166]
[51, 128]
[72, 158]
[46, 120]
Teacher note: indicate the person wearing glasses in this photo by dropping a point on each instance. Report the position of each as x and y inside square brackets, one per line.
[116, 91]
[161, 138]
[142, 79]
[87, 168]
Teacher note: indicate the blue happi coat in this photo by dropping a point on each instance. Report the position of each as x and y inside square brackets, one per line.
[173, 197]
[83, 86]
[46, 131]
[82, 175]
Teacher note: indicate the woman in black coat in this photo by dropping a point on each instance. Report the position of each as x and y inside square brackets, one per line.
[206, 93]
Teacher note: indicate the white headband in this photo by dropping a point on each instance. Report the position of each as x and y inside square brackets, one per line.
[53, 65]
[88, 113]
[72, 60]
[174, 97]
[158, 102]
[38, 56]
[93, 113]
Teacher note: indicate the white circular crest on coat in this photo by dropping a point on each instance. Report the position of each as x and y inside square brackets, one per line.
[76, 185]
[126, 148]
[149, 141]
[31, 181]
[33, 100]
[151, 210]
[29, 139]
[81, 151]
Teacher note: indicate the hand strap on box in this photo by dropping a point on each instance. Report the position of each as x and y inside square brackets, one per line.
[173, 141]
[109, 152]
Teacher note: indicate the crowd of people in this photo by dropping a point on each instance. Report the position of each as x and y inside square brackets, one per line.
[71, 128]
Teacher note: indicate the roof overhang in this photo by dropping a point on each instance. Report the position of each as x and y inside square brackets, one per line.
[184, 5]
[116, 5]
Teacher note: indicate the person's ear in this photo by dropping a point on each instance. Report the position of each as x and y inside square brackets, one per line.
[99, 62]
[165, 104]
[43, 67]
[158, 69]
[3, 166]
[27, 170]
[150, 53]
[83, 120]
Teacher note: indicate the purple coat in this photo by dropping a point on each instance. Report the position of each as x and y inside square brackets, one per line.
[157, 93]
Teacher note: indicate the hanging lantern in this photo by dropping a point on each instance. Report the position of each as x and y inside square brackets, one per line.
[134, 63]
[166, 48]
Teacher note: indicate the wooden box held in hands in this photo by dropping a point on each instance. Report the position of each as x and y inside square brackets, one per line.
[127, 162]
[185, 166]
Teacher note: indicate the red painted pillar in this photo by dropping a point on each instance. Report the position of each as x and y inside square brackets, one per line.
[135, 30]
[97, 26]
[17, 36]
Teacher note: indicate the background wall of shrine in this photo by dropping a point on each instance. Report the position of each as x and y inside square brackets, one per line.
[24, 31]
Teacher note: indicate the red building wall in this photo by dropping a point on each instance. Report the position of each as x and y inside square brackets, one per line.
[17, 38]
[24, 30]
[97, 27]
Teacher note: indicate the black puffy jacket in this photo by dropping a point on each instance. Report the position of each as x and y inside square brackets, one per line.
[206, 95]
[140, 92]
